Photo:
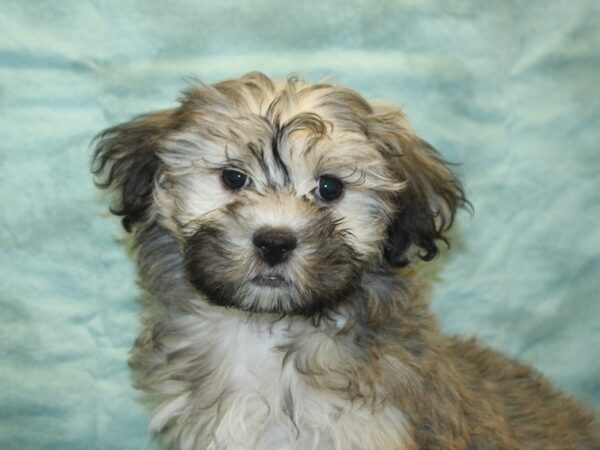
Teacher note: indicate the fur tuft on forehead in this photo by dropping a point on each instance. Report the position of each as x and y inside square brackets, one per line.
[277, 101]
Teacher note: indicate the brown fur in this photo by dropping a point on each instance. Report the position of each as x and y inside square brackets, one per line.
[460, 395]
[350, 342]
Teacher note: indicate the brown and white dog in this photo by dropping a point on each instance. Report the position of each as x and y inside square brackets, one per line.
[275, 223]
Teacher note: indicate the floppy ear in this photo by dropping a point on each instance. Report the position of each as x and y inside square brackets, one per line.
[425, 208]
[125, 160]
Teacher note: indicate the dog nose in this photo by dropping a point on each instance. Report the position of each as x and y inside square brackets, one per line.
[274, 245]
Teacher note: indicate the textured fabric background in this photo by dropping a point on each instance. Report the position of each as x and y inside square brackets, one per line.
[507, 89]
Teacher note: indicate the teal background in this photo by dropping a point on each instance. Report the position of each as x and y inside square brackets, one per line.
[507, 89]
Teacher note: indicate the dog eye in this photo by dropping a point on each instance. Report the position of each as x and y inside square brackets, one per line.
[330, 188]
[234, 179]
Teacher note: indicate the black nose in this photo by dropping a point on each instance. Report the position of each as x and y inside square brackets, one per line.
[274, 245]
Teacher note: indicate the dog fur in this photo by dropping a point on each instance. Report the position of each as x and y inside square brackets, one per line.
[342, 351]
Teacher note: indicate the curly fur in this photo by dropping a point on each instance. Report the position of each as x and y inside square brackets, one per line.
[344, 355]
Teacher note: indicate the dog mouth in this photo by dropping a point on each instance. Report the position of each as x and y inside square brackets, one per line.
[270, 280]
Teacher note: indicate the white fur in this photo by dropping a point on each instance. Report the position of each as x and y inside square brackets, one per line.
[252, 369]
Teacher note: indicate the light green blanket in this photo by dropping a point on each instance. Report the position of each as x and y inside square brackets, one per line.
[508, 89]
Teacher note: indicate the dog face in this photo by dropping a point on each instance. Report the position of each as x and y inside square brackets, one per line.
[280, 195]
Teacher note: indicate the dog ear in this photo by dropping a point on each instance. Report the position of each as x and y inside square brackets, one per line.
[425, 208]
[126, 161]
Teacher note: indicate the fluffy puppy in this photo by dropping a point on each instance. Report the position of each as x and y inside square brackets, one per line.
[275, 224]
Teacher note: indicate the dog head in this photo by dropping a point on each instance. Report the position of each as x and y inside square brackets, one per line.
[279, 195]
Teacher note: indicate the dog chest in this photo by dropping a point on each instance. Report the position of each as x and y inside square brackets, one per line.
[251, 394]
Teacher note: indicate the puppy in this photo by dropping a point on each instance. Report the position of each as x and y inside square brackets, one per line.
[275, 225]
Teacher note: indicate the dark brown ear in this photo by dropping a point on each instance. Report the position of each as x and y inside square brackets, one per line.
[425, 208]
[125, 160]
